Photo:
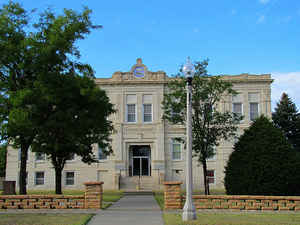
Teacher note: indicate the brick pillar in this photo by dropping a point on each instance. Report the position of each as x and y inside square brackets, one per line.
[93, 195]
[172, 195]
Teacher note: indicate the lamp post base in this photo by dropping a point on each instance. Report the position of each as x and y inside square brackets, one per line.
[189, 212]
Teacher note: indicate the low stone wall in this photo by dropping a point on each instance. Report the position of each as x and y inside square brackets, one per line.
[92, 199]
[41, 202]
[174, 200]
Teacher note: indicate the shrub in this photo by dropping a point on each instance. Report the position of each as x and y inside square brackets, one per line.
[263, 163]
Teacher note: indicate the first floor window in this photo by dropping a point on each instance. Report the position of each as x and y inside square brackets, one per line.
[253, 111]
[210, 176]
[39, 178]
[147, 112]
[70, 178]
[39, 156]
[176, 150]
[101, 154]
[131, 113]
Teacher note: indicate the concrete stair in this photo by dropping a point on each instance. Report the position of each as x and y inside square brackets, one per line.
[147, 183]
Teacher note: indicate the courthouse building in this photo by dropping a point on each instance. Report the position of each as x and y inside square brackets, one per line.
[145, 152]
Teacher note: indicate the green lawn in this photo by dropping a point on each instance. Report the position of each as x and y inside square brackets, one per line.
[235, 219]
[159, 197]
[45, 219]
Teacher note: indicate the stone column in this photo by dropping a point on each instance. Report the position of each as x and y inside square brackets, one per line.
[172, 195]
[93, 195]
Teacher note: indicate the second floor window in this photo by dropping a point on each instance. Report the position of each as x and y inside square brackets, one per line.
[101, 154]
[131, 114]
[39, 156]
[147, 112]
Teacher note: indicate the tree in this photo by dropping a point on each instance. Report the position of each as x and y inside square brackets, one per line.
[3, 148]
[263, 163]
[29, 51]
[209, 125]
[75, 114]
[287, 118]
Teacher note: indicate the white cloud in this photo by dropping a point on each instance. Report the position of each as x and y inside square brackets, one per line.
[264, 1]
[288, 83]
[261, 19]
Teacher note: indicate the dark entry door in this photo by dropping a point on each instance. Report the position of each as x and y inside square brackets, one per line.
[140, 166]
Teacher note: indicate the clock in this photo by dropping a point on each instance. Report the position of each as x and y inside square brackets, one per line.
[139, 71]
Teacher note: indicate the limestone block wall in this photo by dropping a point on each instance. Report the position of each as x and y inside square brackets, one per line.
[174, 200]
[92, 199]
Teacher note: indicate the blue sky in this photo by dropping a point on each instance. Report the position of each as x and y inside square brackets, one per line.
[238, 36]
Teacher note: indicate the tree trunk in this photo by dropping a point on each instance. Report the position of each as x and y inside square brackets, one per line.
[23, 172]
[206, 184]
[58, 172]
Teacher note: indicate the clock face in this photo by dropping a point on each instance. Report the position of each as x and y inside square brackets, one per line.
[139, 71]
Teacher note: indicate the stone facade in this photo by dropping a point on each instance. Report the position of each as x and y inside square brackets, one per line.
[143, 143]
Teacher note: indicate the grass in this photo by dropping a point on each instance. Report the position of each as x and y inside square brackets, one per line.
[159, 197]
[45, 219]
[112, 196]
[235, 219]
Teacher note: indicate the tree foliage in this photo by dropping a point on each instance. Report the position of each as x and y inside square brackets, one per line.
[287, 118]
[75, 116]
[210, 124]
[3, 150]
[263, 163]
[32, 52]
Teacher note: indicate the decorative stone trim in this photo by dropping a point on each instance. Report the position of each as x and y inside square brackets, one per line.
[41, 202]
[247, 202]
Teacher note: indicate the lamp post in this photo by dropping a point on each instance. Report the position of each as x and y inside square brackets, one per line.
[189, 211]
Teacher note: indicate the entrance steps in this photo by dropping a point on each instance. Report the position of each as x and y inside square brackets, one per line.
[143, 183]
[134, 192]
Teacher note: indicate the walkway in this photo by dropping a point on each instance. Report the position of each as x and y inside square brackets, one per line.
[130, 210]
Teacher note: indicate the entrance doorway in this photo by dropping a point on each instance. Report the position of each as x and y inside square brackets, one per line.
[140, 160]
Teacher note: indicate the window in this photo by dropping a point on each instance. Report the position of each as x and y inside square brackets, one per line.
[19, 154]
[253, 99]
[210, 176]
[253, 111]
[147, 112]
[70, 178]
[213, 158]
[72, 157]
[131, 108]
[39, 178]
[176, 150]
[39, 156]
[101, 154]
[237, 108]
[131, 113]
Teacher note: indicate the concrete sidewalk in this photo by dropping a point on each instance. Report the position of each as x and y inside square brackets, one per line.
[130, 210]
